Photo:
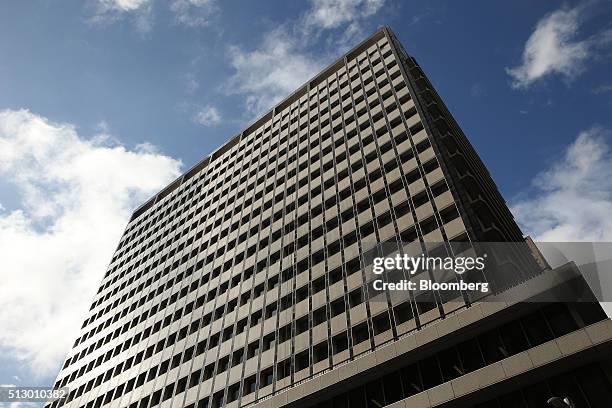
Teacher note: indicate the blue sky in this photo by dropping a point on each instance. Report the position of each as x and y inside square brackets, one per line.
[92, 91]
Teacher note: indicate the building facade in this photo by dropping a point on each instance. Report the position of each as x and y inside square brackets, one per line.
[244, 282]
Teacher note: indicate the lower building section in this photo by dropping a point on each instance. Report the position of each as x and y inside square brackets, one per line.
[494, 354]
[501, 354]
[587, 385]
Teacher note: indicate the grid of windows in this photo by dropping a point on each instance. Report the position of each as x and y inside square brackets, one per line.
[269, 239]
[247, 275]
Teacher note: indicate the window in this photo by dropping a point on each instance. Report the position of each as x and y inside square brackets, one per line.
[381, 323]
[301, 325]
[319, 316]
[233, 392]
[249, 385]
[267, 377]
[302, 360]
[339, 343]
[536, 329]
[253, 349]
[513, 338]
[470, 355]
[337, 307]
[403, 312]
[194, 379]
[360, 333]
[320, 352]
[268, 341]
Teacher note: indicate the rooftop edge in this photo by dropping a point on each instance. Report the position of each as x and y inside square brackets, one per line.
[382, 31]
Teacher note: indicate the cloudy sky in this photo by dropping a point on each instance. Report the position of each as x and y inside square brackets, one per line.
[103, 102]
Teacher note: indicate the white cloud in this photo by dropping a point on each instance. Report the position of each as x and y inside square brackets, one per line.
[348, 15]
[123, 5]
[285, 59]
[110, 11]
[19, 404]
[207, 116]
[334, 13]
[191, 83]
[76, 197]
[603, 89]
[188, 12]
[478, 90]
[271, 72]
[194, 12]
[572, 200]
[553, 47]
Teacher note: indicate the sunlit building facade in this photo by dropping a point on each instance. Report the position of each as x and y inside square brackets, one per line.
[243, 283]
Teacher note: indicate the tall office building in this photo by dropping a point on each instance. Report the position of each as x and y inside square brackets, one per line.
[244, 282]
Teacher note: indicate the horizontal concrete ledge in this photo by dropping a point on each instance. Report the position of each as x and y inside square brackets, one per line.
[562, 348]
